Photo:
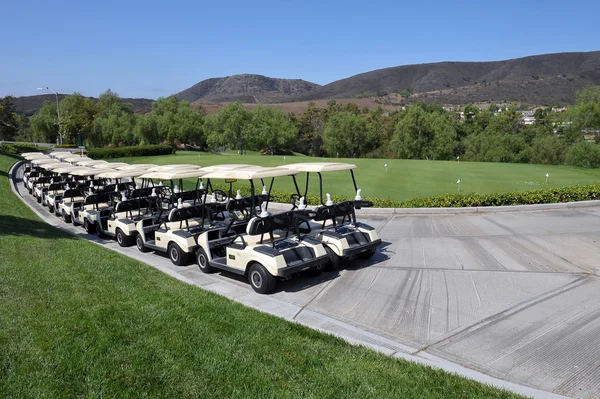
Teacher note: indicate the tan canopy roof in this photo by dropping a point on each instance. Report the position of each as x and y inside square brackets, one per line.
[319, 166]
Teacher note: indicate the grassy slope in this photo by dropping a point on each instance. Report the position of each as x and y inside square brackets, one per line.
[406, 179]
[80, 320]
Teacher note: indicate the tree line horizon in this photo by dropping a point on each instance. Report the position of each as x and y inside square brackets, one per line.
[419, 131]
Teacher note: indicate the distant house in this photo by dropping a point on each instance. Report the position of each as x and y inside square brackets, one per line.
[528, 117]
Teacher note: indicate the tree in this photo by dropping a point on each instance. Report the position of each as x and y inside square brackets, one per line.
[547, 150]
[346, 134]
[272, 130]
[311, 125]
[583, 154]
[414, 135]
[77, 115]
[44, 124]
[233, 123]
[113, 123]
[9, 120]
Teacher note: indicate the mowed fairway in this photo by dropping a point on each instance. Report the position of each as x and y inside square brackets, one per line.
[79, 320]
[405, 179]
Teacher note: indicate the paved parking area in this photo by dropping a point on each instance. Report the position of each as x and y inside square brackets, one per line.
[496, 296]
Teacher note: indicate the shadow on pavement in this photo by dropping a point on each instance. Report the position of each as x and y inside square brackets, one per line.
[17, 226]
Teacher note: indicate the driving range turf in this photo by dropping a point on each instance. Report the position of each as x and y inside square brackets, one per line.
[81, 320]
[405, 179]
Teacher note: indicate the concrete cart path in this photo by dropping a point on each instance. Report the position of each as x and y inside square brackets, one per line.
[507, 298]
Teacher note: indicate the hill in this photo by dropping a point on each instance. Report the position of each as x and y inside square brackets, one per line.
[29, 105]
[541, 79]
[247, 88]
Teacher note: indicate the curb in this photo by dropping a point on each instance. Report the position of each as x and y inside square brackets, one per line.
[297, 314]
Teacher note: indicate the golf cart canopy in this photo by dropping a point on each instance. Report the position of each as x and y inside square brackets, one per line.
[250, 173]
[140, 166]
[319, 166]
[109, 165]
[74, 159]
[33, 155]
[173, 174]
[64, 168]
[81, 171]
[54, 165]
[121, 174]
[216, 168]
[41, 161]
[89, 162]
[172, 167]
[62, 154]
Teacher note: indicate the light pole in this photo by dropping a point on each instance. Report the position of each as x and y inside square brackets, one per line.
[57, 111]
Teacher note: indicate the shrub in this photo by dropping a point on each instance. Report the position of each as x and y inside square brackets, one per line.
[65, 146]
[543, 196]
[134, 151]
[14, 149]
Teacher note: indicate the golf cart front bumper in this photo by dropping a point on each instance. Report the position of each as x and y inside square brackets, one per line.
[360, 248]
[305, 265]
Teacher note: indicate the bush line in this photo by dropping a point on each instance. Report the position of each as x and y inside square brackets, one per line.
[527, 197]
[133, 151]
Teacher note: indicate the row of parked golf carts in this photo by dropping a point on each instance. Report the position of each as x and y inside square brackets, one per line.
[147, 206]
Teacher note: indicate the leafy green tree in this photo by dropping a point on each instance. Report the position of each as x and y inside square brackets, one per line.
[233, 126]
[9, 120]
[44, 124]
[346, 134]
[583, 154]
[414, 135]
[548, 150]
[272, 129]
[76, 115]
[145, 130]
[311, 125]
[113, 123]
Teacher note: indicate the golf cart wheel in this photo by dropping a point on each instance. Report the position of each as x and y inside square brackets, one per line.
[176, 254]
[368, 254]
[89, 227]
[66, 218]
[38, 199]
[334, 260]
[139, 243]
[99, 231]
[122, 239]
[260, 279]
[50, 208]
[202, 261]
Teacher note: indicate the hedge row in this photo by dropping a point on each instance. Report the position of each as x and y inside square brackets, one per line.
[14, 149]
[134, 151]
[542, 196]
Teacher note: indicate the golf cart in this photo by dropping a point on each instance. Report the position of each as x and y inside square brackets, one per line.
[127, 204]
[335, 224]
[164, 230]
[264, 247]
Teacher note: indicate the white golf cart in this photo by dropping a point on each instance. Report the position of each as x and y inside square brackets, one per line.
[164, 231]
[335, 224]
[264, 247]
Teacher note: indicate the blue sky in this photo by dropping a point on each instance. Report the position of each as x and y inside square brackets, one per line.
[154, 49]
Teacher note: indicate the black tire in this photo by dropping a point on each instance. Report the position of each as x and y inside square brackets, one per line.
[139, 243]
[122, 239]
[38, 199]
[99, 231]
[176, 254]
[334, 260]
[368, 254]
[260, 279]
[50, 208]
[90, 228]
[202, 261]
[66, 218]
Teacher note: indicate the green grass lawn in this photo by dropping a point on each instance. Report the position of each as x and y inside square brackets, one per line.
[79, 320]
[405, 179]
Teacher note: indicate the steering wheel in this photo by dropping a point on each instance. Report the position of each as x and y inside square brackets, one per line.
[219, 195]
[295, 200]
